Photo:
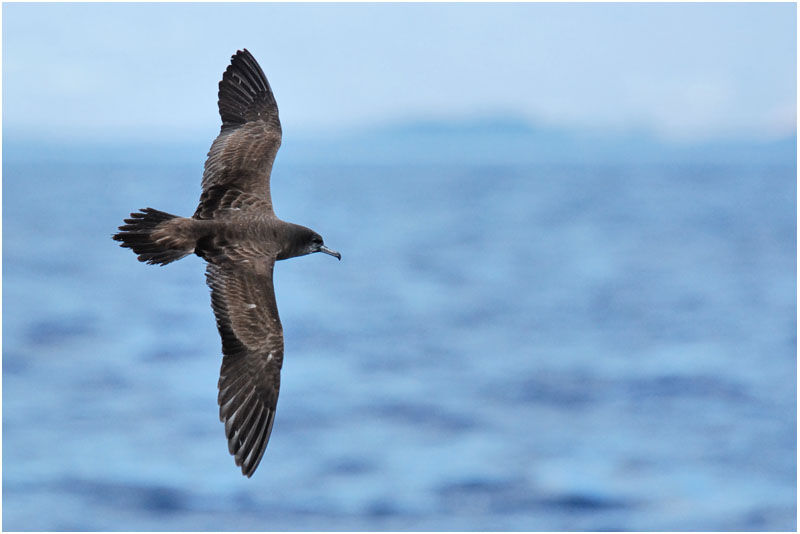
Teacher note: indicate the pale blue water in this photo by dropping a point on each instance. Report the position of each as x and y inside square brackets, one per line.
[501, 348]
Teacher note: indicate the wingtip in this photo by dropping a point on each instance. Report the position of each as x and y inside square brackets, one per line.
[248, 468]
[241, 52]
[244, 93]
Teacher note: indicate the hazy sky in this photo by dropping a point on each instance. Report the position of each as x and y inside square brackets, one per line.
[684, 71]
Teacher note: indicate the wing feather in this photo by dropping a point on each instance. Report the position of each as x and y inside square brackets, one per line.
[258, 448]
[241, 157]
[243, 300]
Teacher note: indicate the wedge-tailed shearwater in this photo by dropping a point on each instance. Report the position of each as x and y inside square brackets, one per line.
[236, 231]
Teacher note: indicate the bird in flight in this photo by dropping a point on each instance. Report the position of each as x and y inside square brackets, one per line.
[236, 232]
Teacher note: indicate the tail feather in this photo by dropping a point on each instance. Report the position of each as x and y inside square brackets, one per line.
[137, 234]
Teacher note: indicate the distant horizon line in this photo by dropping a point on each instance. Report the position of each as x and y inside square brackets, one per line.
[497, 123]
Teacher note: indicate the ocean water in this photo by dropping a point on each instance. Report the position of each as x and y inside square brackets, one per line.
[512, 347]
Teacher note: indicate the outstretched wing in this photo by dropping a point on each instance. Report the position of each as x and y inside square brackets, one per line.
[243, 300]
[240, 159]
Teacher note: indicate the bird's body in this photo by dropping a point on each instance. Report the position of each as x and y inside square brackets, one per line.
[236, 231]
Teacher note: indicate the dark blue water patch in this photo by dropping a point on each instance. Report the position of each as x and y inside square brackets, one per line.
[693, 386]
[382, 508]
[575, 503]
[516, 496]
[421, 416]
[755, 520]
[579, 391]
[349, 466]
[173, 352]
[568, 391]
[54, 331]
[14, 363]
[120, 495]
[103, 380]
[624, 302]
[766, 518]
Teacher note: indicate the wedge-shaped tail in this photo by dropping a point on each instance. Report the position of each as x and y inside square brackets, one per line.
[150, 235]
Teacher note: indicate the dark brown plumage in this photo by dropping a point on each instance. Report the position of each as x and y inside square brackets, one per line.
[236, 231]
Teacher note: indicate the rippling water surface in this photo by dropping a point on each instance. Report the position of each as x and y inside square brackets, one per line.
[500, 348]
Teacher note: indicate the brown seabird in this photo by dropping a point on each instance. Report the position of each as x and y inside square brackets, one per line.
[236, 231]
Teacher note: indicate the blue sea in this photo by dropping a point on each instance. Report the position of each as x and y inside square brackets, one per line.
[555, 346]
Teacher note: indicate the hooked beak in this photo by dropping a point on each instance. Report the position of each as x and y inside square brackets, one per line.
[326, 250]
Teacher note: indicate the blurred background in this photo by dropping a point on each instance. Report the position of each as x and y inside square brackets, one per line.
[567, 298]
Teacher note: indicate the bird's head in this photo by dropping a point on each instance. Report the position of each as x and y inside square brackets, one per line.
[304, 241]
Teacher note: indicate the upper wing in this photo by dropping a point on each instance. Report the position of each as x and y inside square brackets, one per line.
[243, 300]
[240, 159]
